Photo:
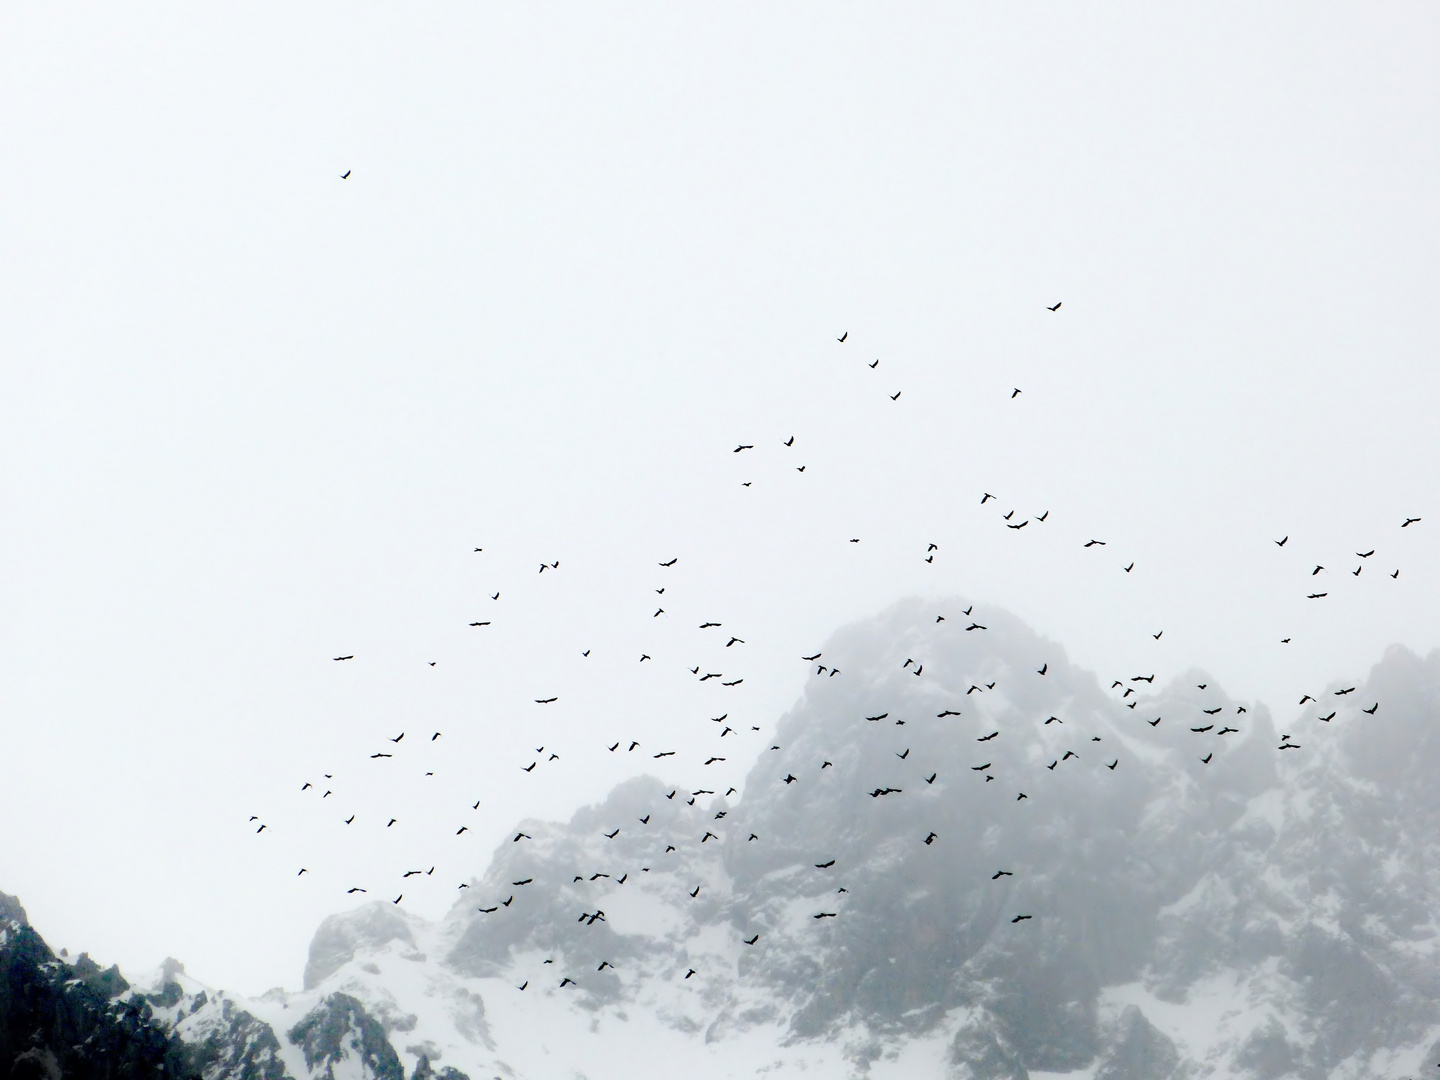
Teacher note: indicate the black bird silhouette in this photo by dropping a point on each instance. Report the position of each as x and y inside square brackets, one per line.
[824, 865]
[1129, 568]
[1015, 394]
[790, 441]
[751, 941]
[350, 657]
[1372, 709]
[1055, 308]
[546, 700]
[841, 338]
[1199, 730]
[1094, 543]
[895, 396]
[1316, 595]
[979, 768]
[984, 738]
[1365, 554]
[744, 446]
[931, 778]
[1396, 574]
[1043, 668]
[905, 755]
[486, 623]
[374, 756]
[1112, 764]
[873, 719]
[825, 915]
[349, 891]
[1212, 712]
[1157, 636]
[523, 985]
[349, 819]
[1207, 757]
[1155, 722]
[1342, 693]
[612, 835]
[1408, 522]
[1021, 918]
[518, 837]
[789, 778]
[812, 658]
[302, 871]
[1327, 719]
[1281, 543]
[530, 767]
[672, 562]
[947, 712]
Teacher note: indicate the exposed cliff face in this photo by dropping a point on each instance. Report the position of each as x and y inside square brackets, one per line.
[73, 1020]
[1200, 901]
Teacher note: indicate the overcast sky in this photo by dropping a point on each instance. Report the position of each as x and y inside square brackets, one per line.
[254, 416]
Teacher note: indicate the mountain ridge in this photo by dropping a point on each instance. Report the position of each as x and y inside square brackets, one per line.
[1185, 903]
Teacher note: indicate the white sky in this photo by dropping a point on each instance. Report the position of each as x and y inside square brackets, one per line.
[253, 416]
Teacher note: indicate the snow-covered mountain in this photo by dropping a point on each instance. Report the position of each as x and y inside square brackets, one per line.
[1177, 899]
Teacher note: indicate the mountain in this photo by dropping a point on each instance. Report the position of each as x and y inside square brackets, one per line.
[1200, 901]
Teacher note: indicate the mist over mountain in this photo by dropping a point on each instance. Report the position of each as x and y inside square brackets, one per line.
[1201, 896]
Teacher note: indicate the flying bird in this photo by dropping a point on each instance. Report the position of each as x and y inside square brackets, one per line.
[350, 657]
[346, 176]
[841, 339]
[672, 562]
[1021, 918]
[1094, 543]
[1281, 543]
[1408, 522]
[1015, 394]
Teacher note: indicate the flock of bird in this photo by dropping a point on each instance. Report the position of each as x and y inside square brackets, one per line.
[1209, 722]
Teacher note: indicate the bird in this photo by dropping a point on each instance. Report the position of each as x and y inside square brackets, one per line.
[302, 871]
[790, 441]
[1112, 764]
[930, 839]
[1155, 722]
[1129, 568]
[523, 985]
[874, 719]
[1022, 795]
[1056, 307]
[349, 819]
[1365, 554]
[1021, 918]
[672, 562]
[1316, 595]
[486, 623]
[1317, 569]
[979, 768]
[876, 363]
[824, 865]
[825, 915]
[612, 835]
[350, 657]
[1201, 730]
[567, 981]
[346, 176]
[983, 738]
[1342, 693]
[1094, 543]
[1372, 709]
[744, 446]
[355, 890]
[1396, 574]
[398, 898]
[1284, 641]
[546, 701]
[1306, 698]
[695, 892]
[840, 339]
[374, 756]
[1281, 542]
[1015, 393]
[790, 778]
[1207, 757]
[931, 778]
[530, 767]
[751, 941]
[895, 396]
[391, 822]
[1408, 522]
[519, 837]
[1043, 668]
[815, 657]
[1001, 873]
[1327, 719]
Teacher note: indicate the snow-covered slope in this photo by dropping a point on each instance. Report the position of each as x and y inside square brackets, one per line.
[1196, 901]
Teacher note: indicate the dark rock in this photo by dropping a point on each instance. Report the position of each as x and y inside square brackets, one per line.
[1140, 1052]
[425, 1071]
[339, 1028]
